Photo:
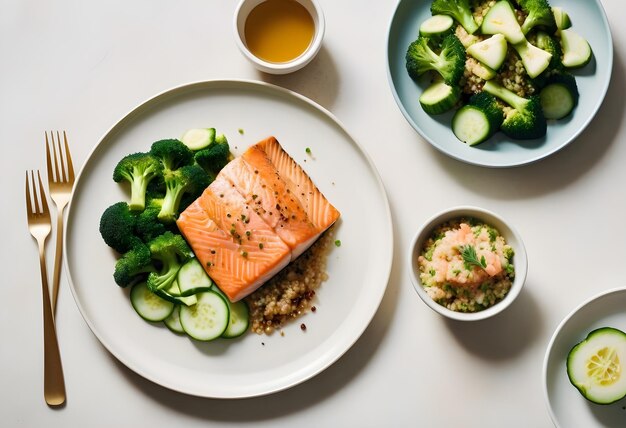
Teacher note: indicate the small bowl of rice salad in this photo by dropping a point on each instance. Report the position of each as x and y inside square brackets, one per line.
[467, 263]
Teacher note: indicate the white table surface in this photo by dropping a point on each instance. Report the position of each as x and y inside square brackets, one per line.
[81, 66]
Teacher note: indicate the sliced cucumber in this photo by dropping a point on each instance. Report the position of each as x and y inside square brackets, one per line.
[500, 19]
[439, 98]
[173, 294]
[561, 18]
[207, 319]
[436, 25]
[596, 366]
[491, 52]
[471, 125]
[199, 138]
[173, 321]
[239, 320]
[193, 279]
[576, 50]
[535, 60]
[148, 305]
[559, 97]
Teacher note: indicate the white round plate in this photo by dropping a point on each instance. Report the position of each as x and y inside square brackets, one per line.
[252, 365]
[566, 406]
[588, 20]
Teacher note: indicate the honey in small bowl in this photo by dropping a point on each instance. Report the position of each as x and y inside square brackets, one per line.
[279, 31]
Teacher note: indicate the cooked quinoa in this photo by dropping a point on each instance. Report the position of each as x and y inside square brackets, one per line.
[290, 293]
[466, 266]
[512, 74]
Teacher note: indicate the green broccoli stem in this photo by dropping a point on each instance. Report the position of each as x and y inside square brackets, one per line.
[167, 275]
[171, 201]
[138, 187]
[505, 95]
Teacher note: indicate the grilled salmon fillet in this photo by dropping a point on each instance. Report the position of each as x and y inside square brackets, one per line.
[261, 212]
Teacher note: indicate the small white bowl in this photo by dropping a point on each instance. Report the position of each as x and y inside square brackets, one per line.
[511, 237]
[241, 15]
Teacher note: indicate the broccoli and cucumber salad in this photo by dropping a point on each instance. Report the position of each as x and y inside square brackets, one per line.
[167, 282]
[504, 65]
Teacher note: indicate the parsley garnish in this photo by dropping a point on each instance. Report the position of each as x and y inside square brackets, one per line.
[470, 258]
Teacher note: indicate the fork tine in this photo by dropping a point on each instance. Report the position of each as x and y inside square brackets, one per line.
[57, 174]
[48, 160]
[42, 192]
[70, 166]
[29, 204]
[62, 173]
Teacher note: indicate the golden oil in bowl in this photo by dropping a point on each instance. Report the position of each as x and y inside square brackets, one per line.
[279, 31]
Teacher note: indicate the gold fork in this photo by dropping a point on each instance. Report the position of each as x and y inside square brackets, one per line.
[60, 184]
[39, 225]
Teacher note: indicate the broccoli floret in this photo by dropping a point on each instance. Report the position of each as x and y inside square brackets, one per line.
[450, 63]
[133, 266]
[191, 179]
[172, 153]
[459, 10]
[171, 252]
[488, 104]
[526, 120]
[138, 169]
[539, 15]
[148, 225]
[117, 227]
[214, 157]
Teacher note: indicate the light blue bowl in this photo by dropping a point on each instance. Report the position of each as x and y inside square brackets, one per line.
[588, 20]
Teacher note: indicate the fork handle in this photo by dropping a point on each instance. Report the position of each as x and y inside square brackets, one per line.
[58, 256]
[53, 383]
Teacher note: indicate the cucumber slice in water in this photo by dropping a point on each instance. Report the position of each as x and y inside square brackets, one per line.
[576, 50]
[148, 305]
[199, 138]
[500, 19]
[436, 25]
[193, 279]
[596, 366]
[439, 98]
[207, 319]
[173, 321]
[491, 52]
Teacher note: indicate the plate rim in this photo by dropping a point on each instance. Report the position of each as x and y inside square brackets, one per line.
[555, 334]
[200, 85]
[530, 160]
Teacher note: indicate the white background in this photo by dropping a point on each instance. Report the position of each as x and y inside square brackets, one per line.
[81, 66]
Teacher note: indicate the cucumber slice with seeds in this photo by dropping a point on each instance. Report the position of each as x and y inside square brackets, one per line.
[471, 125]
[596, 368]
[559, 99]
[173, 294]
[193, 279]
[239, 320]
[439, 98]
[198, 138]
[173, 321]
[436, 25]
[576, 50]
[207, 319]
[148, 305]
